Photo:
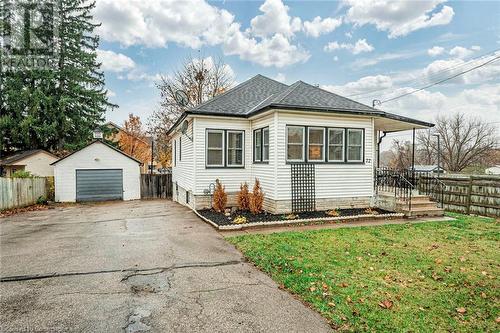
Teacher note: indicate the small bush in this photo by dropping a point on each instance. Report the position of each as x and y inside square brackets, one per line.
[290, 217]
[220, 197]
[244, 197]
[256, 199]
[41, 200]
[22, 174]
[240, 220]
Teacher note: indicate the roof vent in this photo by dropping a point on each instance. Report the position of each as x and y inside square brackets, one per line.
[97, 134]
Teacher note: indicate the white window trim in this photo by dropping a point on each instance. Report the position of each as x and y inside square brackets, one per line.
[263, 145]
[336, 145]
[257, 132]
[242, 148]
[316, 144]
[362, 144]
[303, 143]
[207, 148]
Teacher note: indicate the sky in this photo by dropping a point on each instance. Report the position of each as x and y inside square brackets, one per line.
[365, 50]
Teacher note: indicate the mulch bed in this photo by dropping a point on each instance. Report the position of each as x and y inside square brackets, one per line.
[221, 219]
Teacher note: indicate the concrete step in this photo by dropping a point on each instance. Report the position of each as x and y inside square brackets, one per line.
[418, 204]
[422, 212]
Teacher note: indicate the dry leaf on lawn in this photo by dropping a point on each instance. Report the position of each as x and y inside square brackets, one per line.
[386, 304]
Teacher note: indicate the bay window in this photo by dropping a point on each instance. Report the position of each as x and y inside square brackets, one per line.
[354, 145]
[295, 143]
[316, 143]
[336, 144]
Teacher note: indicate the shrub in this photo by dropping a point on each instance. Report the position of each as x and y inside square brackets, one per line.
[244, 197]
[21, 174]
[220, 197]
[332, 213]
[41, 200]
[240, 220]
[50, 188]
[257, 198]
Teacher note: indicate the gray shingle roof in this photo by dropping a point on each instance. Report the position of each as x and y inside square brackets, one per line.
[18, 156]
[261, 93]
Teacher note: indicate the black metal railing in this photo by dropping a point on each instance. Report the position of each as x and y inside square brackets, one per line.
[430, 185]
[399, 182]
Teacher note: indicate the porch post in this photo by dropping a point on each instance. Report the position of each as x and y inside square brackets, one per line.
[413, 152]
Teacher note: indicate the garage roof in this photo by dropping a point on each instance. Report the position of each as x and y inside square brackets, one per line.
[101, 142]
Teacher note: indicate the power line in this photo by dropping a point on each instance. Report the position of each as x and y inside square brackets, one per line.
[433, 76]
[441, 81]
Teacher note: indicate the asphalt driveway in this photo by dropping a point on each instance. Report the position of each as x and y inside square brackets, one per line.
[143, 266]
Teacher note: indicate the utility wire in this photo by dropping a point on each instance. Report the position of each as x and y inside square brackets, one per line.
[433, 76]
[441, 81]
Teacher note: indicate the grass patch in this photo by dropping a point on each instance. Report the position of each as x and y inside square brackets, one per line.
[428, 277]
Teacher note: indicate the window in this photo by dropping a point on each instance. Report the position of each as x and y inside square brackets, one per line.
[354, 145]
[174, 151]
[295, 142]
[261, 145]
[316, 142]
[336, 144]
[234, 148]
[180, 149]
[265, 144]
[215, 148]
[257, 145]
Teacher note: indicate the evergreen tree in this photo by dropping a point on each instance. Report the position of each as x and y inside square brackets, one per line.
[57, 109]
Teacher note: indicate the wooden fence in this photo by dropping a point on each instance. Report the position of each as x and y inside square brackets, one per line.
[20, 192]
[156, 186]
[470, 194]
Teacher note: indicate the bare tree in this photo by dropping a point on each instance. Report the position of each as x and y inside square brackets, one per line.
[400, 155]
[465, 141]
[200, 79]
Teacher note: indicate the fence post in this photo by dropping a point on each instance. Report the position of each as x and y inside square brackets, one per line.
[469, 194]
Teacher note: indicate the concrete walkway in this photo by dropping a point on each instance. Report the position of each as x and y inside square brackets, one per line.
[143, 266]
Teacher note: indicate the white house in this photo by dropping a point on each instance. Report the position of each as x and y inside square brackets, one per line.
[261, 128]
[36, 161]
[97, 172]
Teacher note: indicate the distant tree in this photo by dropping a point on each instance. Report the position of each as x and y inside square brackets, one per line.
[133, 140]
[200, 79]
[465, 141]
[57, 108]
[400, 155]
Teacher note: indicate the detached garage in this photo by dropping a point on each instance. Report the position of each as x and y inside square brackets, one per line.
[97, 172]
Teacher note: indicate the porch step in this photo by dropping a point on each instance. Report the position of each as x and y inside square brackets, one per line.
[424, 212]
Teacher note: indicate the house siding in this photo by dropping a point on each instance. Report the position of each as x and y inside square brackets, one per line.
[183, 171]
[95, 156]
[333, 181]
[38, 164]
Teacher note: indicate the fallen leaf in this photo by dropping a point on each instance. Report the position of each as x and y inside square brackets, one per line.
[462, 258]
[325, 286]
[483, 294]
[447, 269]
[343, 285]
[461, 310]
[348, 299]
[386, 304]
[312, 289]
[361, 300]
[497, 320]
[438, 261]
[371, 268]
[331, 304]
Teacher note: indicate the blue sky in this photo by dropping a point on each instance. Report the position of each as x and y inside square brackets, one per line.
[365, 49]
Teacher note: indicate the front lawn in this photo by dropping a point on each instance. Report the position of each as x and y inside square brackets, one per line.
[435, 276]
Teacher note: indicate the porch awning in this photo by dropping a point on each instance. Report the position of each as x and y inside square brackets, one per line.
[395, 123]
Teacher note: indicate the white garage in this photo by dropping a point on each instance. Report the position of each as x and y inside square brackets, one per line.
[97, 172]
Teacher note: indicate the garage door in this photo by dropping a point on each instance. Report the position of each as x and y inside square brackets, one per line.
[98, 185]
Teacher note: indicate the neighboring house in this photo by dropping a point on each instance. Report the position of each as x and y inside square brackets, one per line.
[428, 169]
[494, 170]
[261, 127]
[144, 144]
[97, 172]
[36, 161]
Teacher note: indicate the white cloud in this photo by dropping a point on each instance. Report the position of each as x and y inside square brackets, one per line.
[110, 93]
[114, 62]
[463, 52]
[360, 46]
[397, 17]
[335, 58]
[274, 20]
[280, 77]
[373, 60]
[435, 51]
[275, 51]
[194, 23]
[364, 85]
[320, 26]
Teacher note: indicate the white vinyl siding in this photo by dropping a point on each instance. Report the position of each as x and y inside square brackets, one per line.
[183, 172]
[333, 180]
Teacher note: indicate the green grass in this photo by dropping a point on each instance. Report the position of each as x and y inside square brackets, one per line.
[427, 270]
